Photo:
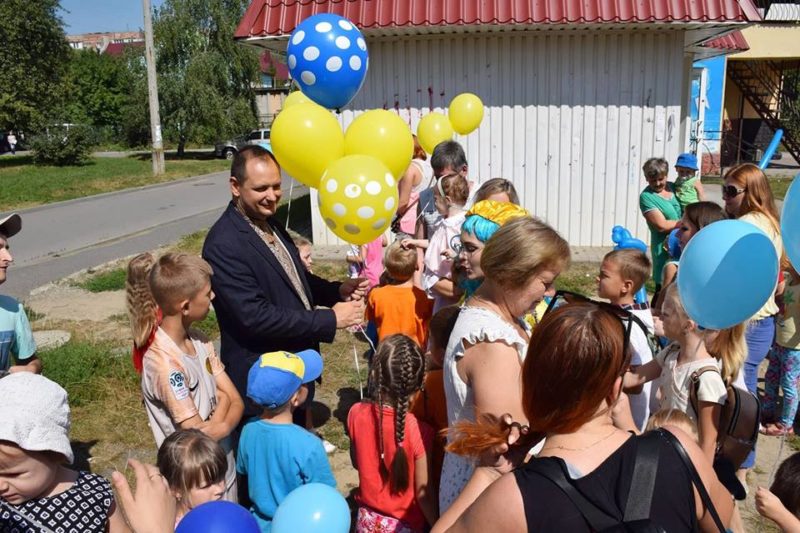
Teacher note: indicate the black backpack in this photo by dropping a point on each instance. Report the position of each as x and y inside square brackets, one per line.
[640, 496]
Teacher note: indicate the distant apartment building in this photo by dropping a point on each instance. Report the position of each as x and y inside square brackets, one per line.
[106, 42]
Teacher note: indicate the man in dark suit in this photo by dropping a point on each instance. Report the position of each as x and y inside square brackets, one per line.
[264, 299]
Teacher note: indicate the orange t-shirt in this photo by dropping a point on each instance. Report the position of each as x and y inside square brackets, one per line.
[374, 492]
[396, 309]
[430, 406]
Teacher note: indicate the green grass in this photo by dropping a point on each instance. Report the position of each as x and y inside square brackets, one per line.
[208, 326]
[192, 243]
[779, 186]
[23, 184]
[111, 280]
[82, 368]
[580, 278]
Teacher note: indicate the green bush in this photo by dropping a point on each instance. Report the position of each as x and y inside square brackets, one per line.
[62, 146]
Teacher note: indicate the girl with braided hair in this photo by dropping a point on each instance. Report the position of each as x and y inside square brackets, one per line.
[389, 447]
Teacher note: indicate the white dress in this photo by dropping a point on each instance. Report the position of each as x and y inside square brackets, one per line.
[474, 325]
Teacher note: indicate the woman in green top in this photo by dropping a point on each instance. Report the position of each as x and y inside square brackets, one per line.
[661, 210]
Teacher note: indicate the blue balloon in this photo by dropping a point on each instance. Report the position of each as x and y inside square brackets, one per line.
[728, 272]
[674, 244]
[327, 57]
[619, 234]
[623, 240]
[790, 223]
[312, 508]
[218, 517]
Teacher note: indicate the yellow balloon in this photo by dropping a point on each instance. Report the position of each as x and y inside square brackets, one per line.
[305, 139]
[433, 129]
[357, 198]
[384, 135]
[295, 98]
[466, 113]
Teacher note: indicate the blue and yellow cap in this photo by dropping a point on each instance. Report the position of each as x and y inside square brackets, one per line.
[275, 376]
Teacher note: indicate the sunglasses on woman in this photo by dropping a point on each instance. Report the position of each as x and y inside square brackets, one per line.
[731, 191]
[626, 317]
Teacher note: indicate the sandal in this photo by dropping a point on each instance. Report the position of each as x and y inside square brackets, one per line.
[778, 430]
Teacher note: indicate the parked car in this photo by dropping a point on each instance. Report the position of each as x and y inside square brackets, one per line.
[227, 149]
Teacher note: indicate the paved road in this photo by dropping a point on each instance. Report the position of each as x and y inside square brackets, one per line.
[63, 238]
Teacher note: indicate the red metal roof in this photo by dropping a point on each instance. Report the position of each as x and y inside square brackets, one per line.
[117, 49]
[734, 41]
[278, 17]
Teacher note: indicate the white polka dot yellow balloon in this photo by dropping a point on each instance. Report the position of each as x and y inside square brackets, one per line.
[357, 198]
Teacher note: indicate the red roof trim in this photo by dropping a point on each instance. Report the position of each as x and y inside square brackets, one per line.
[279, 17]
[734, 41]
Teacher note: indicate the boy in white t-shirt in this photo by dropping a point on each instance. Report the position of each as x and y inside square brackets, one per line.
[184, 384]
[622, 274]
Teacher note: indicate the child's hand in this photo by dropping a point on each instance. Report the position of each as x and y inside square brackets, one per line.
[405, 244]
[768, 505]
[449, 254]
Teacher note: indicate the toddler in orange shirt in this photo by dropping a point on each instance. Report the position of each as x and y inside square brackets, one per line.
[399, 306]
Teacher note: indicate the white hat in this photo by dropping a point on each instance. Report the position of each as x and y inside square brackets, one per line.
[34, 414]
[11, 225]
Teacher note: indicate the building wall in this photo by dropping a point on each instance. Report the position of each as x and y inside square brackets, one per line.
[771, 41]
[570, 117]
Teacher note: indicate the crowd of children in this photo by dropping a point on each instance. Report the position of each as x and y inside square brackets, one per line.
[397, 433]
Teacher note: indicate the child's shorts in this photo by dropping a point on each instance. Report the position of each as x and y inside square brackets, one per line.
[369, 521]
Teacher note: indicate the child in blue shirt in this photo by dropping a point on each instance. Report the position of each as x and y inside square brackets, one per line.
[17, 348]
[275, 455]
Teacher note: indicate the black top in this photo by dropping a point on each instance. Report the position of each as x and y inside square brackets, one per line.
[547, 508]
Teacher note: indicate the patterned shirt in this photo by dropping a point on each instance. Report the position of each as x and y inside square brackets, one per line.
[84, 507]
[278, 249]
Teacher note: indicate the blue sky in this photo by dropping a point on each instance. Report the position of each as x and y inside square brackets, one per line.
[86, 16]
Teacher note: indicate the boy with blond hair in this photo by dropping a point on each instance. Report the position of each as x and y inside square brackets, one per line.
[622, 274]
[184, 383]
[399, 306]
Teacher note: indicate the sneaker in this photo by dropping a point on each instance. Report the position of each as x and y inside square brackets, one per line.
[329, 446]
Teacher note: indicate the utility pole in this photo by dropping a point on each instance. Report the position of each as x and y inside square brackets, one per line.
[152, 90]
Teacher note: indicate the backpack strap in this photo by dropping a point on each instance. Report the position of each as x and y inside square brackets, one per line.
[597, 519]
[694, 386]
[693, 475]
[640, 495]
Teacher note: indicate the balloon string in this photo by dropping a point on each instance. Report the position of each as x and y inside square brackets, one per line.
[360, 328]
[777, 460]
[289, 208]
[358, 372]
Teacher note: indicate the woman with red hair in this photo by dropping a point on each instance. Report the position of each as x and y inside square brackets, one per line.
[571, 381]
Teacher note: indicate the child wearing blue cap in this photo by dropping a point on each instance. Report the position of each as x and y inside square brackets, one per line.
[688, 188]
[275, 455]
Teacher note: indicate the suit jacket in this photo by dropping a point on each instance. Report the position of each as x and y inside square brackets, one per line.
[257, 307]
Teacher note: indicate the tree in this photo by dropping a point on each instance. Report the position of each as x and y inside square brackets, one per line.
[33, 58]
[205, 79]
[98, 86]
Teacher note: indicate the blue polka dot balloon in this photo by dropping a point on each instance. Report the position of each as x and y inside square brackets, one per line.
[327, 57]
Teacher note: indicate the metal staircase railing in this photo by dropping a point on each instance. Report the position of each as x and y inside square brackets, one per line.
[762, 84]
